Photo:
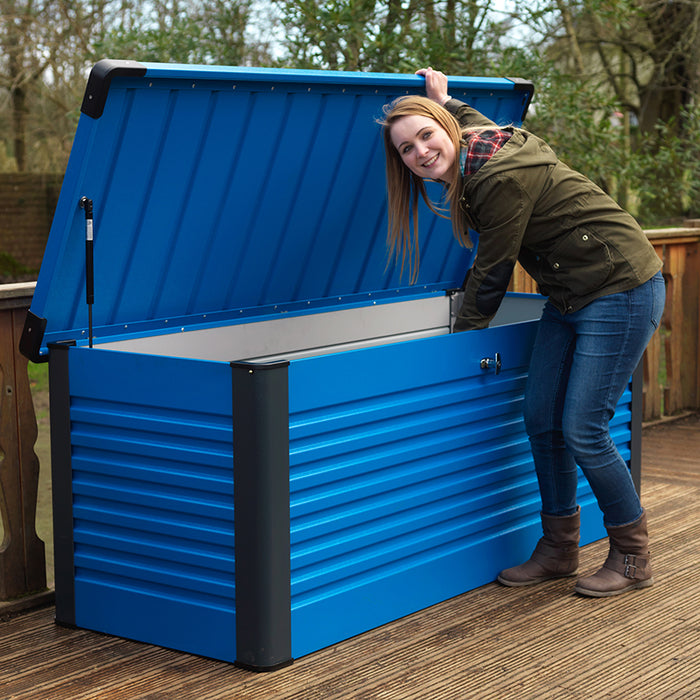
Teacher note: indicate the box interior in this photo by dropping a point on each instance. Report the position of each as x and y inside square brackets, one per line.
[308, 335]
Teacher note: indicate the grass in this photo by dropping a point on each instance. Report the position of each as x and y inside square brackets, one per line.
[38, 376]
[39, 384]
[13, 269]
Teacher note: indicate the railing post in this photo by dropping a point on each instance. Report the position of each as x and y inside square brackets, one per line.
[22, 555]
[695, 224]
[679, 249]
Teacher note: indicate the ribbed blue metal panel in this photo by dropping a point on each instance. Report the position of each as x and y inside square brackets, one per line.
[153, 500]
[411, 479]
[232, 191]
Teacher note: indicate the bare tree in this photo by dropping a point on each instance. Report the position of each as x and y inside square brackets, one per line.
[644, 52]
[48, 46]
[673, 47]
[20, 65]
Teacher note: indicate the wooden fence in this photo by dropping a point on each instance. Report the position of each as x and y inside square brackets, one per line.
[671, 385]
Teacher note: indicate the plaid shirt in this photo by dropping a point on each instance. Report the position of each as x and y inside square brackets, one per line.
[481, 146]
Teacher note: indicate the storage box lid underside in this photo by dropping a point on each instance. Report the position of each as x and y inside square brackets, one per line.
[221, 194]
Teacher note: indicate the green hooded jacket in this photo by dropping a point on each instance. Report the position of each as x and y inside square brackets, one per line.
[571, 237]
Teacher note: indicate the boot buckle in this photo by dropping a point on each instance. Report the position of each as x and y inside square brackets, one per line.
[630, 566]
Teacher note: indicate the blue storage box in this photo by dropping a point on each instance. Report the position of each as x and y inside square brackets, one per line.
[265, 441]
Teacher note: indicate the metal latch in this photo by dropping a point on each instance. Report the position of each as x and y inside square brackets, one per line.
[492, 363]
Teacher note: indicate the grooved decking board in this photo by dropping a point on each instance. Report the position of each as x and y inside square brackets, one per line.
[493, 642]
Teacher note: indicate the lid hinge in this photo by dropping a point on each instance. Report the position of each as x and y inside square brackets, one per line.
[32, 338]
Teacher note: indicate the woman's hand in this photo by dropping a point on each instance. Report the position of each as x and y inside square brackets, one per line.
[435, 85]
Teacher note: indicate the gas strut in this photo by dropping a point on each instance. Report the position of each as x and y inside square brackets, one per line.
[86, 204]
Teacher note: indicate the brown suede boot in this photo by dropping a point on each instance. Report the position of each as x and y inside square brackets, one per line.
[628, 564]
[555, 556]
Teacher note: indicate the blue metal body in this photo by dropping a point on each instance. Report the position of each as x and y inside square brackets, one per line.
[413, 482]
[152, 484]
[230, 195]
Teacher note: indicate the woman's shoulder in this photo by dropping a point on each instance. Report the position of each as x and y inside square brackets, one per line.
[466, 115]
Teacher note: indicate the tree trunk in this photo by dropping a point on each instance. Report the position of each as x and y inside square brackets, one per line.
[19, 126]
[674, 27]
[579, 64]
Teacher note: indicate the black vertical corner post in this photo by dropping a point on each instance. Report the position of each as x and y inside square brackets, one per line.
[261, 515]
[62, 482]
[637, 410]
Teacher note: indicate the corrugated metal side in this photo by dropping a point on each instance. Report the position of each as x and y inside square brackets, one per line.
[153, 500]
[411, 479]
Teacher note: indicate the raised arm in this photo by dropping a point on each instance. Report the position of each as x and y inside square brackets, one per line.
[435, 85]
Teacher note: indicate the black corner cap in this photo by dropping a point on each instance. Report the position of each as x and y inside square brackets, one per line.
[253, 366]
[98, 83]
[263, 669]
[524, 86]
[33, 337]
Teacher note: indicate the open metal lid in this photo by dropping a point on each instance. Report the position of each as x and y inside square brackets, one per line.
[221, 194]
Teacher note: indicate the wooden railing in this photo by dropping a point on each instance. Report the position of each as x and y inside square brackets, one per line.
[671, 376]
[673, 351]
[671, 385]
[22, 557]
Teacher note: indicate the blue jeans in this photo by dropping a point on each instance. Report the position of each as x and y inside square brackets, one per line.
[580, 366]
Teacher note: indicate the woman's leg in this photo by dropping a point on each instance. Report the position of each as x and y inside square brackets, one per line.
[556, 553]
[580, 367]
[611, 335]
[545, 396]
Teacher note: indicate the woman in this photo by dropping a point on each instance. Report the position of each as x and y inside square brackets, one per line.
[605, 300]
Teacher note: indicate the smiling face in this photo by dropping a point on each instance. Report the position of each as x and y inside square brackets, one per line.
[424, 146]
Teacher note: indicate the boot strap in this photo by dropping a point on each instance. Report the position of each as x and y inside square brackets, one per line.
[629, 565]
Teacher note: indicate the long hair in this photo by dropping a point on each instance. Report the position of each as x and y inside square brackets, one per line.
[404, 187]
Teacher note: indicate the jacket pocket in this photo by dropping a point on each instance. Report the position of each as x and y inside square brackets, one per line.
[581, 262]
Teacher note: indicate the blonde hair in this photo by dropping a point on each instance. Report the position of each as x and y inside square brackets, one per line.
[404, 187]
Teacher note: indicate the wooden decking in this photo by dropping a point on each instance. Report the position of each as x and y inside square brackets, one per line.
[541, 642]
